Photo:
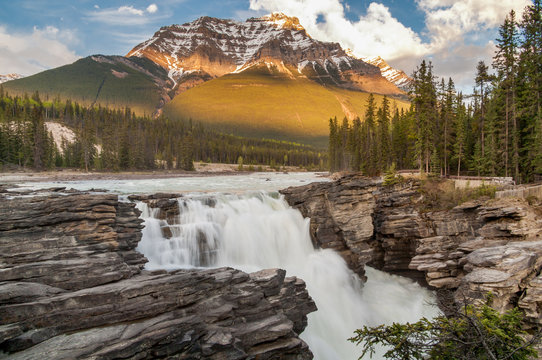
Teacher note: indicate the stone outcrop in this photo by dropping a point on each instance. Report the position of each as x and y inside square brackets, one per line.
[472, 249]
[73, 286]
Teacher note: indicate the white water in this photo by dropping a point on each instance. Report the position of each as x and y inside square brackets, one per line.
[264, 181]
[258, 231]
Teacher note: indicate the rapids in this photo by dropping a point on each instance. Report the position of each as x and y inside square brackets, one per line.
[240, 221]
[260, 230]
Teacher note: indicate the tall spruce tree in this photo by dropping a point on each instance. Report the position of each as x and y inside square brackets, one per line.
[530, 90]
[370, 161]
[505, 62]
[383, 136]
[425, 109]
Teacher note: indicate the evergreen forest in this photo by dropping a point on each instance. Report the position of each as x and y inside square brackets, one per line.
[114, 140]
[495, 131]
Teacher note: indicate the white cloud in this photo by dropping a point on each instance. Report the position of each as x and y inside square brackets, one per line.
[450, 24]
[124, 15]
[152, 8]
[129, 10]
[448, 20]
[42, 49]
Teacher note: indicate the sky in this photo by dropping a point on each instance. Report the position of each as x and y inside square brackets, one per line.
[36, 35]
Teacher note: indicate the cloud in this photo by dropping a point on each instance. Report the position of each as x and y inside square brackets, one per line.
[42, 49]
[129, 10]
[452, 26]
[448, 20]
[152, 8]
[124, 15]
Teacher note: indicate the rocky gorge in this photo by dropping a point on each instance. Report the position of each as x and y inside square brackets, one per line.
[72, 286]
[479, 246]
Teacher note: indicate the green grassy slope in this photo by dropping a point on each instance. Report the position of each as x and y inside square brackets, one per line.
[81, 81]
[263, 103]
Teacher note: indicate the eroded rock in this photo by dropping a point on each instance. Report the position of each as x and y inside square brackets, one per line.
[477, 247]
[73, 286]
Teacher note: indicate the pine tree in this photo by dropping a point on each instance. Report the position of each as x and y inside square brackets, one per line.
[425, 108]
[482, 78]
[332, 149]
[447, 115]
[368, 131]
[505, 61]
[530, 90]
[460, 130]
[383, 136]
[356, 144]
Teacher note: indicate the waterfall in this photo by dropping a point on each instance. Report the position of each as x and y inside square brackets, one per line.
[257, 231]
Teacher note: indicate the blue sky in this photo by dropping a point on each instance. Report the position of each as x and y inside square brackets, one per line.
[455, 34]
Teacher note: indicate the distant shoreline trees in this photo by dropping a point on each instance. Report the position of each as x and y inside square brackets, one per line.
[496, 131]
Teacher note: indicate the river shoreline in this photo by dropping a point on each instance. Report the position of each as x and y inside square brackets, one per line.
[201, 170]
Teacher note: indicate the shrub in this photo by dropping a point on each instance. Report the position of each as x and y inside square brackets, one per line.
[475, 332]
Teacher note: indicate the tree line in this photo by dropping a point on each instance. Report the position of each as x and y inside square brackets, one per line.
[112, 139]
[495, 131]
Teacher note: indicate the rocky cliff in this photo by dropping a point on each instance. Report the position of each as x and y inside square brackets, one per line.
[476, 247]
[73, 286]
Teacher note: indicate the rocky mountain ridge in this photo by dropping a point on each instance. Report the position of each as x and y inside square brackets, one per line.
[209, 47]
[397, 77]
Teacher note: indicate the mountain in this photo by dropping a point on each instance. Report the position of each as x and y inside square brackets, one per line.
[397, 77]
[209, 48]
[264, 77]
[114, 81]
[9, 77]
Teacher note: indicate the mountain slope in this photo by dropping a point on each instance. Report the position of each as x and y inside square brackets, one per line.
[113, 81]
[263, 102]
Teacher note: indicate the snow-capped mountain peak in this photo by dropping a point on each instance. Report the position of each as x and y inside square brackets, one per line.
[282, 21]
[9, 77]
[208, 47]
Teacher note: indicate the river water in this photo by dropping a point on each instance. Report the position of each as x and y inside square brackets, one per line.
[242, 222]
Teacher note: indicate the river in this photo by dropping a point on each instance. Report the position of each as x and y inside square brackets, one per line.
[241, 221]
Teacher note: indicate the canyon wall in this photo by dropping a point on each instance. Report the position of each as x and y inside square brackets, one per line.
[480, 246]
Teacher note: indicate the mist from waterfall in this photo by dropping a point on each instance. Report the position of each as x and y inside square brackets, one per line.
[257, 231]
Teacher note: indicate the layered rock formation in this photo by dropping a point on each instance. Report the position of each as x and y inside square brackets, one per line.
[73, 286]
[472, 249]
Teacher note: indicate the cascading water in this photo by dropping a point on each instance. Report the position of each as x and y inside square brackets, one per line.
[253, 232]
